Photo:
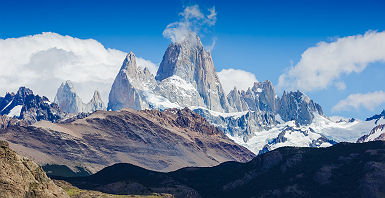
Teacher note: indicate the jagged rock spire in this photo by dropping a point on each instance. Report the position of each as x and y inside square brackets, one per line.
[189, 61]
[67, 99]
[70, 102]
[129, 84]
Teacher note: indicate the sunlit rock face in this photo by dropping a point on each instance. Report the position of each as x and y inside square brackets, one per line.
[68, 100]
[189, 61]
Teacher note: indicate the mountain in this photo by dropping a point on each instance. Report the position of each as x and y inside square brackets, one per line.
[378, 131]
[263, 118]
[21, 177]
[299, 107]
[377, 116]
[131, 86]
[187, 78]
[342, 170]
[95, 103]
[68, 100]
[260, 97]
[157, 140]
[189, 61]
[29, 107]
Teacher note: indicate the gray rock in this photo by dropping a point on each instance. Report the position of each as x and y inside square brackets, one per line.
[297, 106]
[68, 100]
[95, 103]
[234, 99]
[31, 107]
[192, 63]
[243, 125]
[128, 88]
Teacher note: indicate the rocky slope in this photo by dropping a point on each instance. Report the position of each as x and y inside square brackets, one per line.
[378, 131]
[343, 170]
[21, 177]
[31, 108]
[163, 141]
[68, 100]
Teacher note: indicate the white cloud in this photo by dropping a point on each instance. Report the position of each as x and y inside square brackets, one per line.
[340, 85]
[193, 19]
[43, 61]
[231, 78]
[369, 101]
[325, 63]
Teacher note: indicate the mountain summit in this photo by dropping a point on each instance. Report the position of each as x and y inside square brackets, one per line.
[30, 107]
[128, 89]
[68, 100]
[189, 61]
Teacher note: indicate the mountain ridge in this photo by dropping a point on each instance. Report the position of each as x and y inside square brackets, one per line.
[343, 170]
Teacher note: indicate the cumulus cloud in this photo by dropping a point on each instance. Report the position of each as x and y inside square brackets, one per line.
[369, 101]
[43, 61]
[192, 20]
[324, 64]
[231, 78]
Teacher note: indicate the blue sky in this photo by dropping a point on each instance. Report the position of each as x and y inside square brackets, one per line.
[261, 37]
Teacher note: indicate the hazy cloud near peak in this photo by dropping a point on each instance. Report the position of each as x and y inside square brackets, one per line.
[231, 78]
[43, 61]
[370, 101]
[324, 64]
[192, 20]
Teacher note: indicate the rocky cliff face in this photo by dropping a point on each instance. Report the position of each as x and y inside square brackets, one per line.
[68, 100]
[6, 122]
[130, 86]
[95, 103]
[236, 100]
[261, 97]
[192, 63]
[186, 77]
[31, 108]
[297, 106]
[156, 140]
[21, 177]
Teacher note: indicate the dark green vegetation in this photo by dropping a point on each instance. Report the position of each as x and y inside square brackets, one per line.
[343, 170]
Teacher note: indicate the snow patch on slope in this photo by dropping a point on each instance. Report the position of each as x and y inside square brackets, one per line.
[221, 114]
[15, 112]
[343, 131]
[158, 102]
[376, 134]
